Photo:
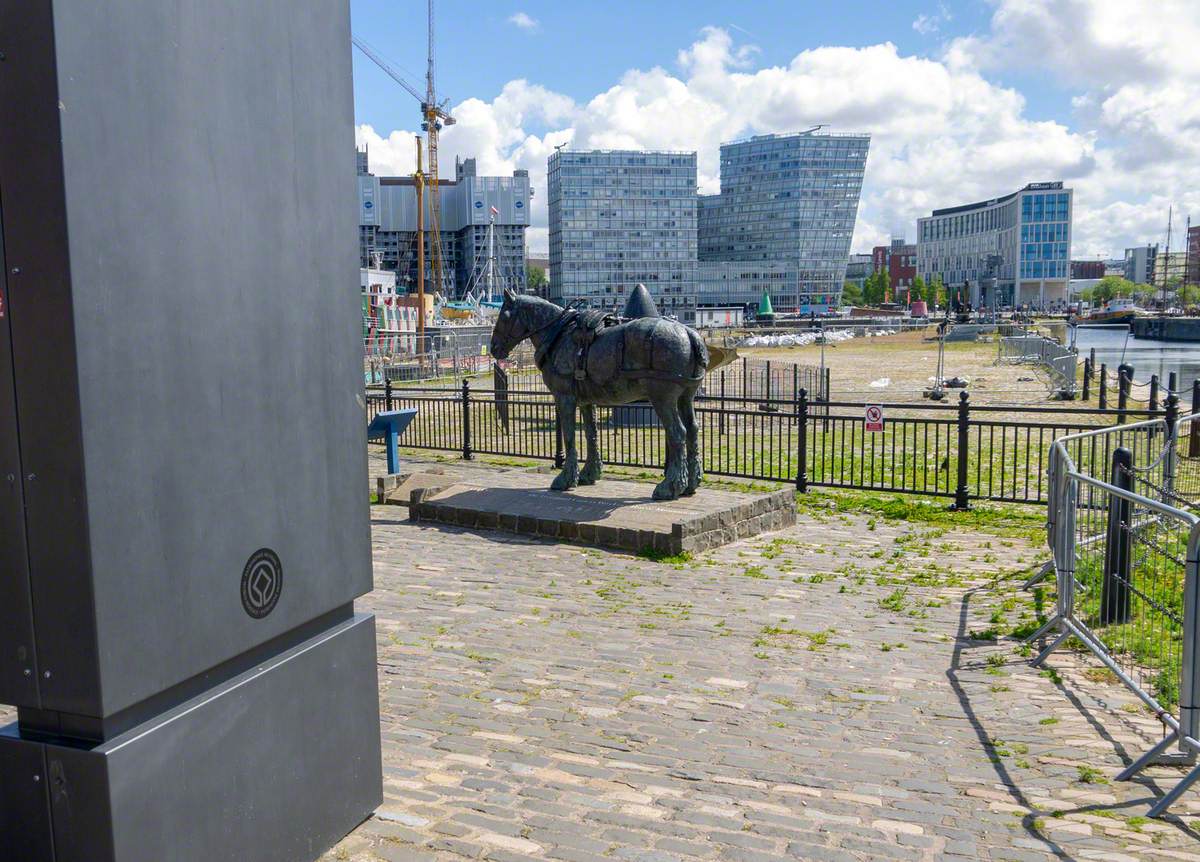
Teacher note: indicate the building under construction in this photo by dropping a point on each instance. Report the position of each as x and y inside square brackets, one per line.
[387, 228]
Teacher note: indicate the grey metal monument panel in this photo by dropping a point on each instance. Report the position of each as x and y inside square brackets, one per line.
[18, 665]
[275, 765]
[214, 322]
[38, 314]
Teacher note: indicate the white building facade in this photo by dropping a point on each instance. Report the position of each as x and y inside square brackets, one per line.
[1022, 239]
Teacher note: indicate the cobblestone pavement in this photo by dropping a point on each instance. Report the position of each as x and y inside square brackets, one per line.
[811, 694]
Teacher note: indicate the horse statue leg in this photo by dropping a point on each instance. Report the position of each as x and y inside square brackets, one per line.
[569, 477]
[666, 405]
[591, 463]
[687, 413]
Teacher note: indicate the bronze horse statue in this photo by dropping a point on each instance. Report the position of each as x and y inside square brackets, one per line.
[589, 359]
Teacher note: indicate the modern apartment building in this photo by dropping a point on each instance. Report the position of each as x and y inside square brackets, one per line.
[387, 227]
[1139, 263]
[1087, 269]
[1022, 239]
[619, 218]
[858, 267]
[783, 220]
[1168, 267]
[1193, 255]
[899, 260]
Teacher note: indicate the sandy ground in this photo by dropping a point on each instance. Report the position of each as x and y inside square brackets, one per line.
[909, 362]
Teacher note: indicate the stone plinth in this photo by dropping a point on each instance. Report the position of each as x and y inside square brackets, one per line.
[611, 513]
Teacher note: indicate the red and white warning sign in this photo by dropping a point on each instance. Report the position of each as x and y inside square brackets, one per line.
[873, 418]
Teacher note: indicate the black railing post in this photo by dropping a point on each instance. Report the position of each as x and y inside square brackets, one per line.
[1103, 386]
[802, 442]
[1087, 379]
[1153, 392]
[559, 457]
[721, 415]
[387, 392]
[826, 394]
[466, 420]
[1114, 590]
[1171, 411]
[745, 376]
[1194, 439]
[961, 493]
[1173, 382]
[768, 379]
[1122, 393]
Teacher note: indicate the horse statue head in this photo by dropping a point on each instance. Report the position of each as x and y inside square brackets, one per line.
[510, 328]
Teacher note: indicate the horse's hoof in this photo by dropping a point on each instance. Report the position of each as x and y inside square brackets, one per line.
[589, 475]
[563, 482]
[688, 492]
[665, 490]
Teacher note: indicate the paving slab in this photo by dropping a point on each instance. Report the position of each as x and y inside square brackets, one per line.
[612, 513]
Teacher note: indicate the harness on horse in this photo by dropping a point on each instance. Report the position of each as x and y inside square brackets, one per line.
[584, 327]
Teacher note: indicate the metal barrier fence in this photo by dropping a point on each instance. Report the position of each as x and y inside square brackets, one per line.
[1123, 523]
[1061, 362]
[766, 379]
[957, 451]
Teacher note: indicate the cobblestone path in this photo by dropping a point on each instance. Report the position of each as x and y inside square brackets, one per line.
[812, 694]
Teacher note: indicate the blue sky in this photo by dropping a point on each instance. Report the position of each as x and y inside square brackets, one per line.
[964, 100]
[582, 48]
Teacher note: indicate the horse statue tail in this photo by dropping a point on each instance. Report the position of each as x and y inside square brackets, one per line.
[699, 353]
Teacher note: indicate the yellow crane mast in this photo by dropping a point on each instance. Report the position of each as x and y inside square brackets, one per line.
[433, 117]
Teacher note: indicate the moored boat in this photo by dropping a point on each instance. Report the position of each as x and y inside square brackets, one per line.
[1115, 311]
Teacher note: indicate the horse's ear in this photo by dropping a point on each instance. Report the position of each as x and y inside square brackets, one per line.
[509, 295]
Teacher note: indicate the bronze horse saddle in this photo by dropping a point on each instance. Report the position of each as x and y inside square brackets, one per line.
[583, 326]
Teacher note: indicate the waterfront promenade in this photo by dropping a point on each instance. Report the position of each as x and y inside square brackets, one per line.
[815, 694]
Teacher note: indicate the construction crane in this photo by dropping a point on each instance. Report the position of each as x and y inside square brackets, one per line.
[433, 117]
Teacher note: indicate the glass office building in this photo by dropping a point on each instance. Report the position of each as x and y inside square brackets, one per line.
[783, 221]
[619, 218]
[1022, 239]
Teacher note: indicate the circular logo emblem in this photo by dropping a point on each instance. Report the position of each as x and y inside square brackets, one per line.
[518, 204]
[368, 204]
[478, 205]
[262, 582]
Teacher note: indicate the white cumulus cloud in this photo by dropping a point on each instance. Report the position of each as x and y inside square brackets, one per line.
[524, 21]
[943, 132]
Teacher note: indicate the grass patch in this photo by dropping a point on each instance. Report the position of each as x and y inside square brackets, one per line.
[658, 556]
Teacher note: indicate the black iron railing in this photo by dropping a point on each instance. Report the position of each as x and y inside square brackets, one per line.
[960, 451]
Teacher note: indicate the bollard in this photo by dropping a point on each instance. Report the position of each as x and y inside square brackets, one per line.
[1173, 382]
[802, 442]
[466, 421]
[1153, 392]
[1103, 386]
[961, 494]
[1114, 590]
[1087, 378]
[1194, 437]
[1123, 381]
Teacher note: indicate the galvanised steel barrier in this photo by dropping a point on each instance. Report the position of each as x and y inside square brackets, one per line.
[961, 451]
[1061, 362]
[1123, 524]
